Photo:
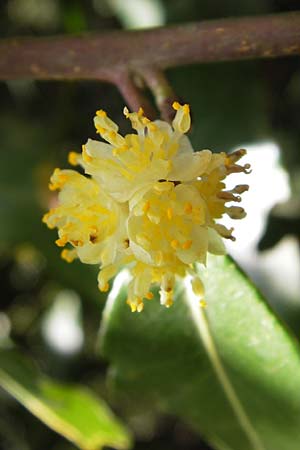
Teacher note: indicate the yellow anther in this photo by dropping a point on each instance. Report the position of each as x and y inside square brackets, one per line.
[146, 206]
[112, 134]
[188, 208]
[186, 108]
[149, 296]
[56, 172]
[140, 112]
[140, 307]
[176, 106]
[85, 156]
[101, 113]
[145, 120]
[187, 244]
[152, 126]
[104, 288]
[123, 148]
[46, 217]
[126, 112]
[203, 303]
[68, 255]
[101, 130]
[174, 244]
[169, 302]
[170, 213]
[198, 287]
[77, 242]
[61, 242]
[59, 178]
[73, 158]
[133, 305]
[53, 187]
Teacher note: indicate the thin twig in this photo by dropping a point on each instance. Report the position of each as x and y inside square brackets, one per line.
[131, 91]
[162, 91]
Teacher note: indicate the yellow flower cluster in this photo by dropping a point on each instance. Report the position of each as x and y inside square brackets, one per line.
[149, 202]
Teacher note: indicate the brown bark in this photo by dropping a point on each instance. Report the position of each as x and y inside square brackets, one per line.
[105, 56]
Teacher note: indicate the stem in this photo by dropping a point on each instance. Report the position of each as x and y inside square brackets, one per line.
[132, 93]
[161, 90]
[101, 56]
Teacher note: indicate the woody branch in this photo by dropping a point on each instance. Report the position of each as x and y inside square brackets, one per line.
[106, 56]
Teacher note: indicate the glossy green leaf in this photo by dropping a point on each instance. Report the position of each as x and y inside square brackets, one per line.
[74, 412]
[232, 371]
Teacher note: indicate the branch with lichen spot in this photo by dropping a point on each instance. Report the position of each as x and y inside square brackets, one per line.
[100, 56]
[107, 56]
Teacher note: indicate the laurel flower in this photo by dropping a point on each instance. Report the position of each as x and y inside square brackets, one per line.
[91, 225]
[149, 202]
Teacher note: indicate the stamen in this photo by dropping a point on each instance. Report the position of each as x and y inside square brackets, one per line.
[132, 305]
[198, 287]
[85, 156]
[101, 130]
[235, 168]
[188, 208]
[236, 212]
[174, 244]
[68, 255]
[186, 109]
[240, 188]
[101, 113]
[77, 243]
[170, 213]
[187, 244]
[140, 307]
[159, 257]
[224, 232]
[104, 288]
[233, 157]
[146, 206]
[73, 158]
[228, 196]
[61, 242]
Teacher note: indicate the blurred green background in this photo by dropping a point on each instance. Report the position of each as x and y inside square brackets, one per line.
[52, 309]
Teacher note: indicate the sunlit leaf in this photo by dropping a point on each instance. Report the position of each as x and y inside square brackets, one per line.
[232, 372]
[74, 412]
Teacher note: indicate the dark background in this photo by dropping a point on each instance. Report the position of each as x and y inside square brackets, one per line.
[41, 121]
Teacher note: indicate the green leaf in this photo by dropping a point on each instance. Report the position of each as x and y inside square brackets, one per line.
[231, 372]
[74, 412]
